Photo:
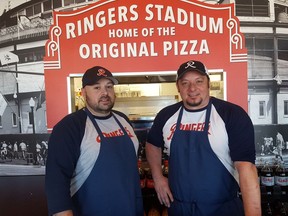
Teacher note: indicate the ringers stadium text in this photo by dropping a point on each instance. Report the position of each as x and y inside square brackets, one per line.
[153, 12]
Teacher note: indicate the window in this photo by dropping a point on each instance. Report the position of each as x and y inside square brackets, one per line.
[31, 55]
[281, 13]
[33, 10]
[37, 8]
[29, 11]
[283, 49]
[47, 5]
[14, 120]
[285, 107]
[252, 8]
[68, 2]
[260, 57]
[282, 61]
[262, 108]
[56, 4]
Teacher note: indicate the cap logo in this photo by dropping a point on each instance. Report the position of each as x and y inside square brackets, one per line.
[101, 72]
[190, 64]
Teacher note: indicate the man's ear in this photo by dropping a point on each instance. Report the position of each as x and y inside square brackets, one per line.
[83, 93]
[177, 86]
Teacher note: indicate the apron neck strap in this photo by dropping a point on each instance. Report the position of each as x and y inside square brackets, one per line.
[92, 118]
[207, 117]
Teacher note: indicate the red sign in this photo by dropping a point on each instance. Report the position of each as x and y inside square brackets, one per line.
[140, 36]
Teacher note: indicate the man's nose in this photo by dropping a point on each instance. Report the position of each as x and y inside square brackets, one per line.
[192, 86]
[104, 91]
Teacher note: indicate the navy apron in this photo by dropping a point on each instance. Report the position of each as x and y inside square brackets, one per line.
[113, 186]
[200, 184]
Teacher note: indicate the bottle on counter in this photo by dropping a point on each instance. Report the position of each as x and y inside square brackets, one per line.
[153, 211]
[281, 177]
[259, 166]
[165, 168]
[149, 180]
[141, 174]
[267, 178]
[275, 164]
[164, 211]
[267, 211]
[283, 211]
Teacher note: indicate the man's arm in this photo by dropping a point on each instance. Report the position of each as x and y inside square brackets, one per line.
[64, 213]
[64, 151]
[250, 188]
[153, 155]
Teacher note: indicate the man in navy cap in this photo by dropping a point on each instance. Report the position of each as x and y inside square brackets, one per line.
[210, 143]
[92, 160]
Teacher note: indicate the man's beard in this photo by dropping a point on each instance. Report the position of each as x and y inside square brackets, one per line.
[194, 104]
[101, 108]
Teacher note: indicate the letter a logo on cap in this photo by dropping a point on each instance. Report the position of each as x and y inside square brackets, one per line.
[101, 72]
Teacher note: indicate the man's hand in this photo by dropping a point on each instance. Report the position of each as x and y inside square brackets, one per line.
[163, 191]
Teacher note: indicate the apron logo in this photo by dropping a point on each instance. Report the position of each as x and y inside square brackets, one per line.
[193, 127]
[115, 133]
[172, 129]
[188, 127]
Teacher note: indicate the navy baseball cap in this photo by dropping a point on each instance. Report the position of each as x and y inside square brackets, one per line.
[191, 66]
[94, 74]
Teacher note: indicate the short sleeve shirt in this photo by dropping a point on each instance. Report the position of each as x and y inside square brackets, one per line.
[231, 132]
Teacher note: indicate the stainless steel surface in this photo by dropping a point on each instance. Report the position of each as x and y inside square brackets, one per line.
[145, 79]
[141, 117]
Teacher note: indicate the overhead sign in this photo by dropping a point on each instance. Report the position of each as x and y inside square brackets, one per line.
[140, 36]
[111, 30]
